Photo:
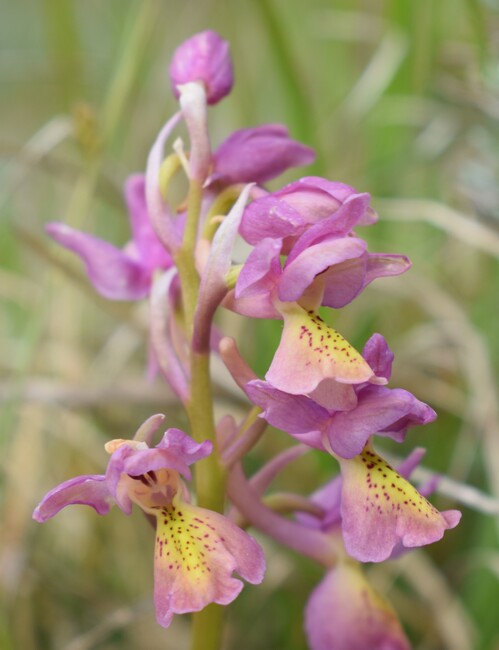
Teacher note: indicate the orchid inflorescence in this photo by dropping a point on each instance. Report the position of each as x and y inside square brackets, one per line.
[319, 389]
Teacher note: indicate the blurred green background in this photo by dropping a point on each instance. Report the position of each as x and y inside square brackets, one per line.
[400, 99]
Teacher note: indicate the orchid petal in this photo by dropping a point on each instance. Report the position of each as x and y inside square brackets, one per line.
[114, 273]
[184, 447]
[197, 551]
[379, 356]
[311, 351]
[380, 410]
[257, 281]
[383, 265]
[340, 223]
[258, 154]
[270, 217]
[300, 273]
[88, 490]
[295, 414]
[379, 509]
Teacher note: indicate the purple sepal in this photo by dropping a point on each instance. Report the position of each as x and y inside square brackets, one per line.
[379, 356]
[379, 410]
[84, 490]
[258, 154]
[203, 57]
[339, 224]
[257, 281]
[115, 274]
[119, 274]
[317, 259]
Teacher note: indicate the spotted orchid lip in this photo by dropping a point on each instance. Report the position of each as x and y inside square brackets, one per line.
[311, 351]
[380, 509]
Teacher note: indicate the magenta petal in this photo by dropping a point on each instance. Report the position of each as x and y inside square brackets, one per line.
[257, 281]
[289, 212]
[300, 273]
[258, 154]
[184, 447]
[270, 217]
[379, 356]
[336, 190]
[113, 273]
[380, 410]
[197, 551]
[409, 464]
[339, 224]
[85, 490]
[295, 414]
[345, 613]
[381, 510]
[343, 282]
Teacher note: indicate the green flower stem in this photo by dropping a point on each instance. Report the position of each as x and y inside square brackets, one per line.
[209, 474]
[184, 258]
[207, 628]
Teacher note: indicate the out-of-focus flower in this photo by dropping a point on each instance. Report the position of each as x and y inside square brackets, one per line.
[204, 57]
[197, 550]
[257, 155]
[345, 613]
[119, 274]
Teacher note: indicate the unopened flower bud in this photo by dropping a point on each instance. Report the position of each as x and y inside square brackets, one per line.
[203, 57]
